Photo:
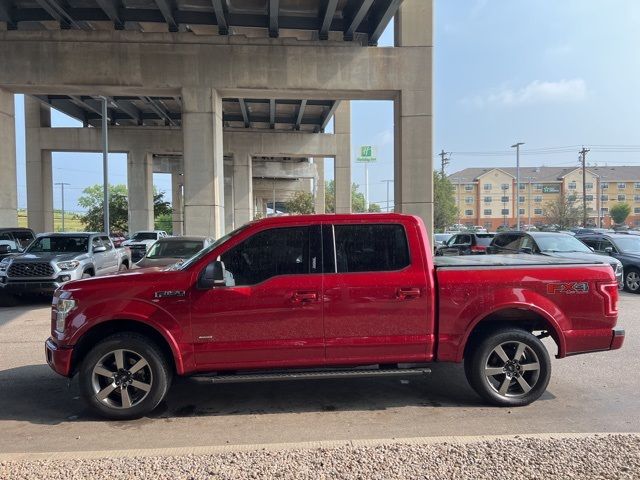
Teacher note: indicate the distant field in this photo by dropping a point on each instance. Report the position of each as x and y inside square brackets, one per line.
[71, 224]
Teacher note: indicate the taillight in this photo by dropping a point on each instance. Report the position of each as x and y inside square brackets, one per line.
[479, 249]
[609, 292]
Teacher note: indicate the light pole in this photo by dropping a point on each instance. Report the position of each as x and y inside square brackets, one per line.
[387, 182]
[517, 147]
[62, 184]
[459, 204]
[105, 165]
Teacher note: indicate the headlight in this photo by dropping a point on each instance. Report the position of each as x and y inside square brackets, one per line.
[64, 306]
[4, 264]
[72, 265]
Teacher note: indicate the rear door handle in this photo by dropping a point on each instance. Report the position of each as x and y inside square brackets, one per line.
[407, 293]
[304, 297]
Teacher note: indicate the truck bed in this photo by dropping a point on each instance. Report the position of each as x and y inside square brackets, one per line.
[522, 260]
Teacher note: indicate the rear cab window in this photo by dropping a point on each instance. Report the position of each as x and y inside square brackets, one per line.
[370, 248]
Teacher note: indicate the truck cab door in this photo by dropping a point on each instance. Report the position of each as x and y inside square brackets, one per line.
[110, 256]
[98, 257]
[378, 302]
[269, 312]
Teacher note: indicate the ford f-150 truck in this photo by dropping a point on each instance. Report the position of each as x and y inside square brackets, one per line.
[328, 296]
[55, 258]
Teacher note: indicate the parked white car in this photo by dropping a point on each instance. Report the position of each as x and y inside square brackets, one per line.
[141, 241]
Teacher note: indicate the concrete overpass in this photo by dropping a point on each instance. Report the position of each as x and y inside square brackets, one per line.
[200, 84]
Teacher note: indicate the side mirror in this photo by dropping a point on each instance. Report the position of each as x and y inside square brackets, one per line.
[4, 249]
[609, 250]
[212, 276]
[99, 249]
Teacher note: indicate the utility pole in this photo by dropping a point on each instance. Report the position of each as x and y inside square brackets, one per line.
[387, 182]
[62, 184]
[583, 154]
[444, 161]
[517, 147]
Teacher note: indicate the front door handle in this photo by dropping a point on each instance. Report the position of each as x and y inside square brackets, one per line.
[304, 297]
[407, 293]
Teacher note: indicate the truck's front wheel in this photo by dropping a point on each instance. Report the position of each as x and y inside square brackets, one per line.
[509, 368]
[124, 376]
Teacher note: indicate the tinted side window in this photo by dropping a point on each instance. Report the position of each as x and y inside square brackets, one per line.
[463, 240]
[604, 244]
[508, 242]
[278, 251]
[371, 248]
[591, 242]
[96, 242]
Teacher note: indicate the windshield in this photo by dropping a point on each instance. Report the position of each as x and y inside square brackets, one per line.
[214, 245]
[138, 237]
[5, 239]
[60, 245]
[175, 248]
[561, 243]
[630, 244]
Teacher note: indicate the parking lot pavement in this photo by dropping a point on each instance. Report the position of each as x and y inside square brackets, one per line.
[41, 412]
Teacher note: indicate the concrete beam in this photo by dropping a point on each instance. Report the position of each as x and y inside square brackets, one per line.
[9, 191]
[177, 203]
[320, 200]
[242, 188]
[117, 62]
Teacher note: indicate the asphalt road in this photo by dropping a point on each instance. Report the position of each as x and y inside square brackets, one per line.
[40, 411]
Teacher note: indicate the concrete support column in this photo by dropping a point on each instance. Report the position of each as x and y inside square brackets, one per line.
[414, 117]
[242, 188]
[342, 176]
[320, 206]
[39, 173]
[140, 190]
[9, 191]
[177, 203]
[203, 162]
[228, 195]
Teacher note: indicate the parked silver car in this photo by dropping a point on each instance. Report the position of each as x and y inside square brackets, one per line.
[56, 258]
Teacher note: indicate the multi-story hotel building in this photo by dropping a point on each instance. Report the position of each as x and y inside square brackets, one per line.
[486, 196]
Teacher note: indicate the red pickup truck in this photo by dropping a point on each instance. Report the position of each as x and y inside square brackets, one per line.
[326, 296]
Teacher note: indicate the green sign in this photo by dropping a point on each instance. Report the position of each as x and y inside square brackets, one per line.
[367, 154]
[550, 188]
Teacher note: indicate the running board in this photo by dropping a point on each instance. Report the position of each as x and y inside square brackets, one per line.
[330, 374]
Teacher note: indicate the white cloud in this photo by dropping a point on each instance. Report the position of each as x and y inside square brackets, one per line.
[562, 91]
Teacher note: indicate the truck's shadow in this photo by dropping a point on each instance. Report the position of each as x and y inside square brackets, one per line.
[35, 394]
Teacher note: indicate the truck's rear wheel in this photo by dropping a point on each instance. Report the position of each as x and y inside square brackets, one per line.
[124, 376]
[509, 368]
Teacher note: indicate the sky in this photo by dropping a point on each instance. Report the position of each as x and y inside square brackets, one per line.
[553, 74]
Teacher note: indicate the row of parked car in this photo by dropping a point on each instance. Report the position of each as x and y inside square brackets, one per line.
[620, 250]
[42, 263]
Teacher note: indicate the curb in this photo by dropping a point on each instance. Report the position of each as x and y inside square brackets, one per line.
[324, 444]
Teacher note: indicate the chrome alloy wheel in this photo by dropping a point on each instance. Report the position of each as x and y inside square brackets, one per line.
[512, 369]
[633, 280]
[121, 379]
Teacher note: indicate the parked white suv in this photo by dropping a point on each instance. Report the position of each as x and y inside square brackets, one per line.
[141, 241]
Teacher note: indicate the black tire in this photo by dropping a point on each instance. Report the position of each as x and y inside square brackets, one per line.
[632, 280]
[86, 275]
[532, 368]
[155, 377]
[123, 267]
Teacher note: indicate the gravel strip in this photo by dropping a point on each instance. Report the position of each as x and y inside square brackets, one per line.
[594, 457]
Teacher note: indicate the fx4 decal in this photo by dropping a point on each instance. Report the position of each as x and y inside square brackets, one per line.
[568, 288]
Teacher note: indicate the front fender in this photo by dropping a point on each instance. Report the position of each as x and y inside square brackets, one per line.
[137, 310]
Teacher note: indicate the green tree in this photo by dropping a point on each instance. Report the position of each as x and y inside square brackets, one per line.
[563, 212]
[92, 197]
[619, 212]
[300, 203]
[357, 199]
[164, 222]
[445, 211]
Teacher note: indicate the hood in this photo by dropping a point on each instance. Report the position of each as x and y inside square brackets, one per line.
[48, 257]
[157, 262]
[588, 257]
